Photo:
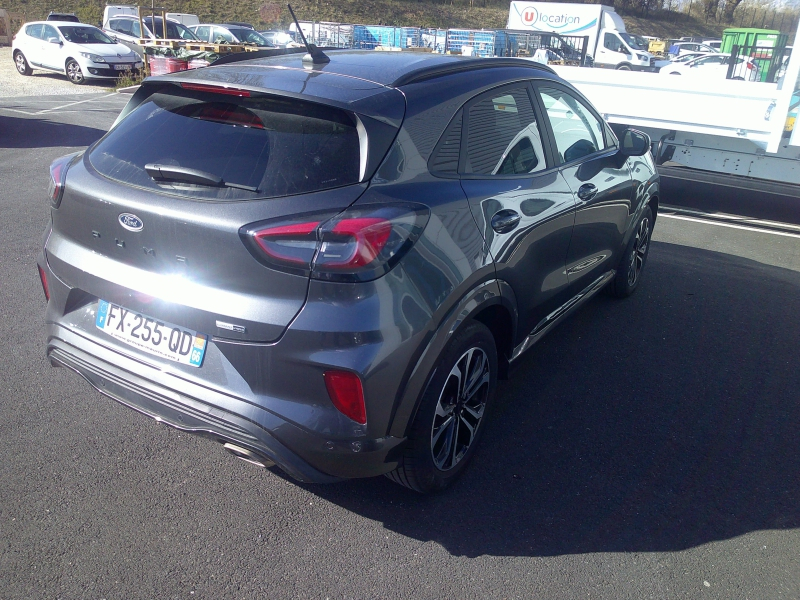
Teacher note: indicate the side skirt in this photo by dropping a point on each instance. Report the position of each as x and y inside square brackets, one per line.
[560, 313]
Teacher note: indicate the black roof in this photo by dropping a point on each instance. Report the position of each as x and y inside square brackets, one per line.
[391, 69]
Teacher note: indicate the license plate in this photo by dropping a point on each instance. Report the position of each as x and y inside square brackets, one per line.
[123, 67]
[151, 335]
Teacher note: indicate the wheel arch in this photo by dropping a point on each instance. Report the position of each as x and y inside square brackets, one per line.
[484, 303]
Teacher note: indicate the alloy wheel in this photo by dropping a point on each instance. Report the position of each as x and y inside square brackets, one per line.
[460, 409]
[639, 252]
[74, 72]
[19, 61]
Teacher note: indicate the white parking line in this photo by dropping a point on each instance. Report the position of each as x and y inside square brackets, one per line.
[729, 225]
[74, 103]
[56, 108]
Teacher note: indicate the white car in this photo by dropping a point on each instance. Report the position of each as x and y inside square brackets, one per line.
[680, 48]
[80, 51]
[666, 62]
[714, 66]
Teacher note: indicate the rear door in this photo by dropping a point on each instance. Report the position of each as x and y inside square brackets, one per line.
[521, 203]
[599, 178]
[33, 43]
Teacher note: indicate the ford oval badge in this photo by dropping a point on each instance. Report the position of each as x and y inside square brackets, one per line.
[131, 222]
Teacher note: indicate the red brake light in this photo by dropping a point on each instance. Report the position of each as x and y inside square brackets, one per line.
[45, 287]
[359, 244]
[215, 89]
[58, 175]
[354, 242]
[750, 65]
[292, 245]
[347, 395]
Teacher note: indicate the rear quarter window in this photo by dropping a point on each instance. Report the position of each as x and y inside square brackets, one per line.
[274, 146]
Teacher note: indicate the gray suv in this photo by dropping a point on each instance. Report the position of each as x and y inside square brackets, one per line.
[327, 266]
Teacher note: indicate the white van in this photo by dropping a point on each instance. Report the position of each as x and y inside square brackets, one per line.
[609, 45]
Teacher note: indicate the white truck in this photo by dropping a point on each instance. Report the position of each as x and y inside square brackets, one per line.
[725, 132]
[609, 45]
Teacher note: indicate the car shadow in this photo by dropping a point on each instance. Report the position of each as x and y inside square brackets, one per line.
[29, 132]
[657, 423]
[90, 83]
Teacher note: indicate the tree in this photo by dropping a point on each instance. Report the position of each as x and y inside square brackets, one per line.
[710, 8]
[730, 8]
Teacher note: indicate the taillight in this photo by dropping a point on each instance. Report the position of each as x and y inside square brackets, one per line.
[58, 175]
[347, 395]
[750, 66]
[359, 244]
[45, 287]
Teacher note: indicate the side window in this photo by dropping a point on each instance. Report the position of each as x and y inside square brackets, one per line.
[122, 25]
[577, 131]
[35, 31]
[202, 32]
[136, 31]
[445, 156]
[503, 136]
[222, 36]
[611, 42]
[49, 32]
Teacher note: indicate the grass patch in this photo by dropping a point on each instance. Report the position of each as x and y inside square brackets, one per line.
[129, 78]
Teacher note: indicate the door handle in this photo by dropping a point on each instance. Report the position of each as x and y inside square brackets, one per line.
[587, 191]
[505, 220]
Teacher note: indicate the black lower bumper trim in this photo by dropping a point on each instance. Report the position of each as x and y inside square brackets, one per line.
[159, 405]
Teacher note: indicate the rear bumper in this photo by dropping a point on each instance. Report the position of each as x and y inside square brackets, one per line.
[196, 409]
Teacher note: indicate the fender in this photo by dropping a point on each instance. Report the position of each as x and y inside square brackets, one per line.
[493, 292]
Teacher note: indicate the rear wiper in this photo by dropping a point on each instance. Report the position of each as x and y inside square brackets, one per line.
[174, 173]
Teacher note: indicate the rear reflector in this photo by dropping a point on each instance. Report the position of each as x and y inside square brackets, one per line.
[347, 395]
[45, 287]
[215, 89]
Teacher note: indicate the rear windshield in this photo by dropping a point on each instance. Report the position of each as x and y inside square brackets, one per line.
[262, 147]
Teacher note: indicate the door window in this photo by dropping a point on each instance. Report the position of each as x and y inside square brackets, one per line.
[503, 136]
[577, 131]
[34, 31]
[223, 36]
[123, 26]
[202, 32]
[136, 31]
[49, 32]
[612, 42]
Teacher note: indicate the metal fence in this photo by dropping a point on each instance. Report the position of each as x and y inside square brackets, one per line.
[551, 47]
[757, 63]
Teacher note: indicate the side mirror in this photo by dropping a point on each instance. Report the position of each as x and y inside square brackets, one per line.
[54, 40]
[634, 143]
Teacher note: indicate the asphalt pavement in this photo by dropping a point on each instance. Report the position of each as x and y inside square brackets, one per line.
[647, 448]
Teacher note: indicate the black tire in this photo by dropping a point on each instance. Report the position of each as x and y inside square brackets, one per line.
[23, 68]
[629, 271]
[624, 68]
[74, 73]
[430, 462]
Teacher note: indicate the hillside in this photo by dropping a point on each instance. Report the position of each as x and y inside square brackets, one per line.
[386, 12]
